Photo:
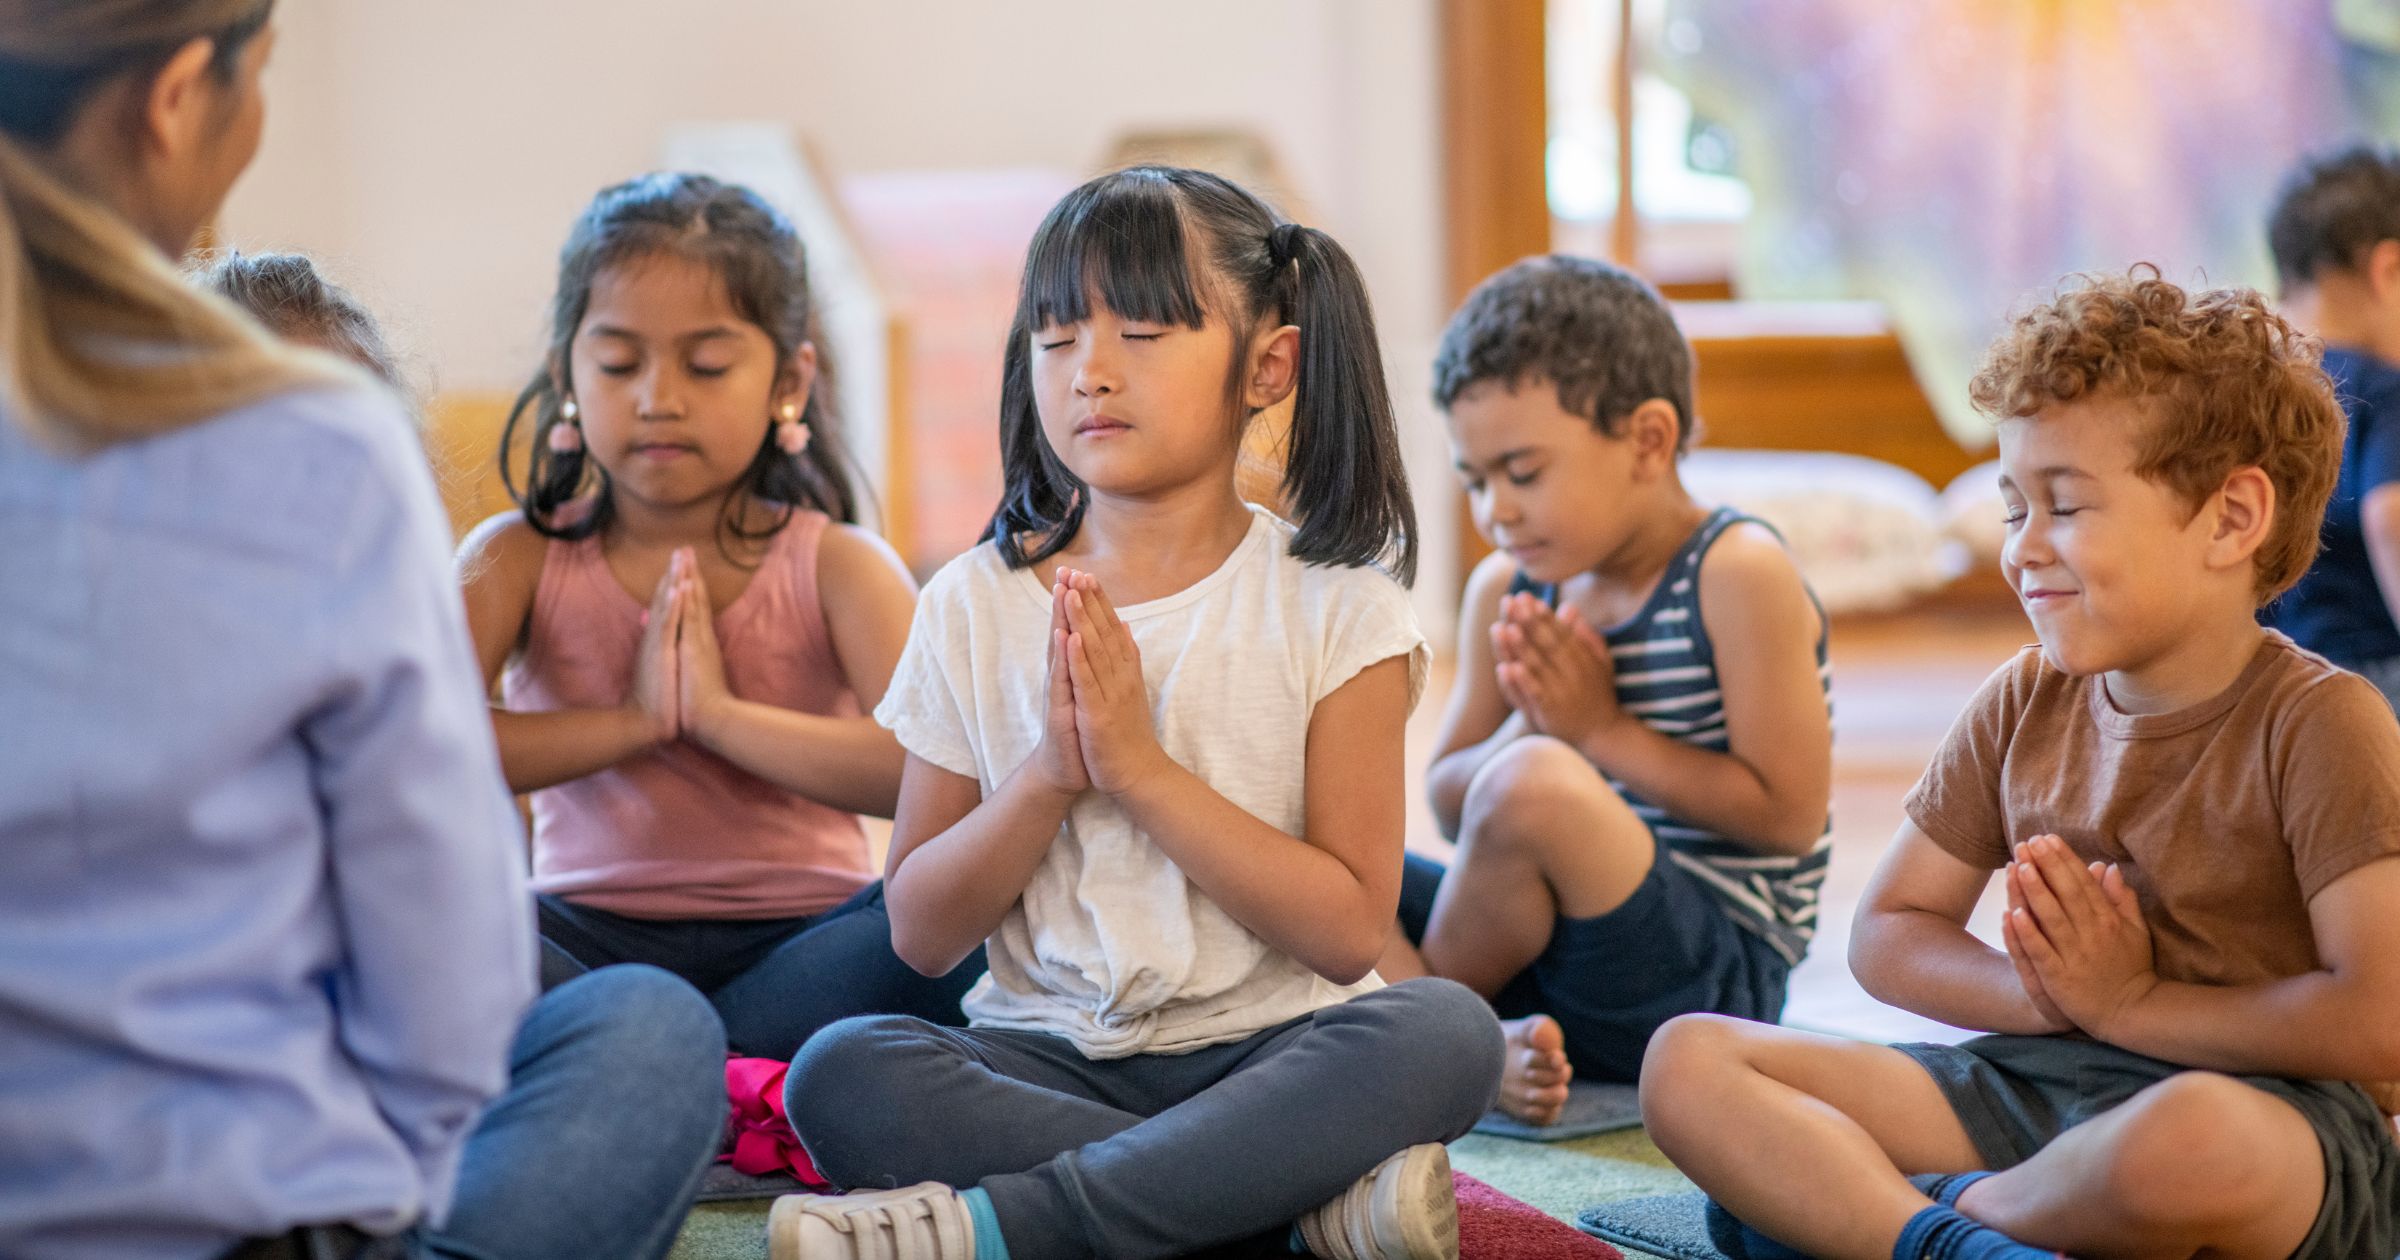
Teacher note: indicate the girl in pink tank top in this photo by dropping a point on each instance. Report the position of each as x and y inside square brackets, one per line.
[687, 627]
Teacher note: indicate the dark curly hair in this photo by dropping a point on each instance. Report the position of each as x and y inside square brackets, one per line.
[2226, 383]
[296, 302]
[1600, 335]
[2333, 208]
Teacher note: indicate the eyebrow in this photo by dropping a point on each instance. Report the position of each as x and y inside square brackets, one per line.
[1501, 460]
[2055, 472]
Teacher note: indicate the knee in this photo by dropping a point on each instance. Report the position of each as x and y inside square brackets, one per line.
[1685, 1062]
[1532, 788]
[2188, 1150]
[838, 1085]
[643, 1025]
[1445, 1036]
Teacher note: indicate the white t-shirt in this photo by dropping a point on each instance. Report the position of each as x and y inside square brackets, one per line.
[1111, 947]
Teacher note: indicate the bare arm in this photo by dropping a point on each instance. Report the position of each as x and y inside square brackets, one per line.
[847, 762]
[958, 860]
[1772, 787]
[499, 568]
[1328, 898]
[1910, 946]
[1477, 721]
[2338, 1022]
[2379, 517]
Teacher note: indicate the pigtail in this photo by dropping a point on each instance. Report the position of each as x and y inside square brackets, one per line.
[547, 480]
[1344, 480]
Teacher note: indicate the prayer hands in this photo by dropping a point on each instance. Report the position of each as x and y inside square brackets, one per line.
[657, 688]
[2077, 936]
[1058, 759]
[699, 662]
[1113, 724]
[1555, 669]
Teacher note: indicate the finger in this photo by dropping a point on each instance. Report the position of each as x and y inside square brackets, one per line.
[1079, 663]
[2074, 886]
[2120, 894]
[2036, 946]
[2042, 906]
[1062, 684]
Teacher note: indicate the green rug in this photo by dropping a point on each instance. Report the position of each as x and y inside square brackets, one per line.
[1561, 1178]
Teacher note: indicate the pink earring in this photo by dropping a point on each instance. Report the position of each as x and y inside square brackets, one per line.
[791, 436]
[566, 436]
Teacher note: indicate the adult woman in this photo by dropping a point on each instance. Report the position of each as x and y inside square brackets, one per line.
[264, 957]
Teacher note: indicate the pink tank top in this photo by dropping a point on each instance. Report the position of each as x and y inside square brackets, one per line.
[679, 832]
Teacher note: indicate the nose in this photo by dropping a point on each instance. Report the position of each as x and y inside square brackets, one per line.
[2028, 545]
[657, 396]
[1096, 374]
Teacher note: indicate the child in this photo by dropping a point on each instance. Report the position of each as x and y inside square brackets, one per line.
[1154, 740]
[2336, 237]
[287, 294]
[2194, 820]
[1637, 755]
[696, 766]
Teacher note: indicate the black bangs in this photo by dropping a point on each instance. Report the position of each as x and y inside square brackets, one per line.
[1120, 236]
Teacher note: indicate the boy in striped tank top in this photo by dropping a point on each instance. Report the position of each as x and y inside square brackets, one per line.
[1637, 755]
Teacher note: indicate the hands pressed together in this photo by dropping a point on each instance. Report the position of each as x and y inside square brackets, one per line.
[1097, 730]
[679, 671]
[2077, 937]
[1554, 668]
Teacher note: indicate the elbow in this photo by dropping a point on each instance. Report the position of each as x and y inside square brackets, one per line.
[931, 959]
[1352, 958]
[1866, 954]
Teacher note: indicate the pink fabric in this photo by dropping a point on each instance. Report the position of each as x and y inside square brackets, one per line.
[679, 832]
[1493, 1226]
[758, 1138]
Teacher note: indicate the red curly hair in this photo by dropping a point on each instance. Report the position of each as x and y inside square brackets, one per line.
[2227, 383]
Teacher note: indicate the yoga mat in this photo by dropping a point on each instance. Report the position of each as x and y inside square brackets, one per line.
[1662, 1224]
[721, 1184]
[1592, 1107]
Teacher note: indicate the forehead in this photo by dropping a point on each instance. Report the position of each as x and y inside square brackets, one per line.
[2094, 437]
[1494, 415]
[660, 292]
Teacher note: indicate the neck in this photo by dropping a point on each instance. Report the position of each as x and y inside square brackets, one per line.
[650, 526]
[2348, 321]
[1662, 528]
[1151, 545]
[2201, 664]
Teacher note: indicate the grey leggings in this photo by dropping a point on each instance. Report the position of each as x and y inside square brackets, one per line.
[1155, 1154]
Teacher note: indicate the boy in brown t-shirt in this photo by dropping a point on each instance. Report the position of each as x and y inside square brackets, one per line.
[2201, 959]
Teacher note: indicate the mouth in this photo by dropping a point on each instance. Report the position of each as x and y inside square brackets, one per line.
[662, 450]
[1102, 426]
[2033, 595]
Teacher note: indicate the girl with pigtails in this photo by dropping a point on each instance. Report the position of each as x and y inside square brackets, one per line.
[1154, 767]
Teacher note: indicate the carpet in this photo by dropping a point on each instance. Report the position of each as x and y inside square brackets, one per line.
[1666, 1225]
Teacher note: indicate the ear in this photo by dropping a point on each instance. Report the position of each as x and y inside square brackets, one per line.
[1652, 430]
[179, 109]
[1274, 368]
[798, 377]
[2244, 515]
[2381, 267]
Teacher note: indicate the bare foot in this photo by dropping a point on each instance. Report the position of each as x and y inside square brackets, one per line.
[1533, 1082]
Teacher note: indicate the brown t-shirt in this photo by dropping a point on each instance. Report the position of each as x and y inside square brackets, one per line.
[2226, 817]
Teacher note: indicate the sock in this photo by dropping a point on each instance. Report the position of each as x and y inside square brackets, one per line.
[1940, 1233]
[988, 1243]
[1944, 1188]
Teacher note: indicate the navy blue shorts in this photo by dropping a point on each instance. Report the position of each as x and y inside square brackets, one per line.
[1611, 981]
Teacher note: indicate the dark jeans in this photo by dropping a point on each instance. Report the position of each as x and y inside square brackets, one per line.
[615, 1106]
[774, 982]
[1153, 1154]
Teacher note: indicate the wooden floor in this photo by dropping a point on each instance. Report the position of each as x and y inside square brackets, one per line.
[1898, 681]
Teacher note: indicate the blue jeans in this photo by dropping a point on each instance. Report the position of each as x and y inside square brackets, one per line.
[774, 982]
[615, 1106]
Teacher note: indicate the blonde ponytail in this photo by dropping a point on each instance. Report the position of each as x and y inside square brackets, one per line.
[101, 338]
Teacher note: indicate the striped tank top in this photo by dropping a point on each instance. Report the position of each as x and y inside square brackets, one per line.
[1667, 676]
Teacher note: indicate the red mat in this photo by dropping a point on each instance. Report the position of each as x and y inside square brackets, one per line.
[1493, 1226]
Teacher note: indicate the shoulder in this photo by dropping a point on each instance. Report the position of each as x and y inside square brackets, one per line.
[1488, 583]
[972, 580]
[503, 550]
[850, 557]
[1749, 581]
[327, 472]
[2304, 691]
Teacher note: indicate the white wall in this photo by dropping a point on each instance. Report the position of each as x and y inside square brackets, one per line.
[433, 152]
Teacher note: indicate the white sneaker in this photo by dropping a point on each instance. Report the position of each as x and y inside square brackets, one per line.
[1407, 1209]
[922, 1222]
